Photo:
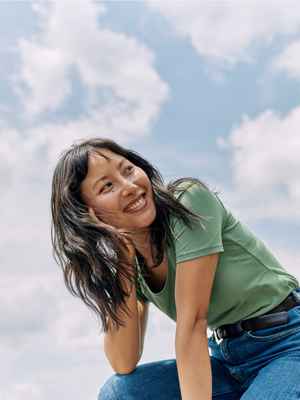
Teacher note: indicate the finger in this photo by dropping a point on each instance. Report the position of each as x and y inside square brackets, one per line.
[127, 238]
[93, 215]
[124, 232]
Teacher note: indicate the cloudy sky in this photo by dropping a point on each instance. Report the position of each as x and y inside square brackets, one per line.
[201, 88]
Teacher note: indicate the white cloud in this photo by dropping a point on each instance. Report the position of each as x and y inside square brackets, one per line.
[266, 164]
[123, 92]
[9, 139]
[222, 31]
[289, 60]
[47, 338]
[290, 259]
[44, 76]
[23, 391]
[118, 66]
[28, 314]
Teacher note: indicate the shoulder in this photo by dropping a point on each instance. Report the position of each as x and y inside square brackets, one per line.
[189, 191]
[180, 186]
[201, 200]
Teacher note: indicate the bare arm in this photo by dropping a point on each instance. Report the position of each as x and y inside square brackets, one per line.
[124, 347]
[194, 281]
[143, 309]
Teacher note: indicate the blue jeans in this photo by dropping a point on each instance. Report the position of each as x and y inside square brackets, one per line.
[262, 364]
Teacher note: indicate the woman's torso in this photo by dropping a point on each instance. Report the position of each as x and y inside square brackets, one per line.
[249, 280]
[158, 276]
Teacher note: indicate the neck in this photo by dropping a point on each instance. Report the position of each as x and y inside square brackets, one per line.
[142, 243]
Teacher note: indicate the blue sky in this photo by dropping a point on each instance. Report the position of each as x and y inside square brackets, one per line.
[200, 88]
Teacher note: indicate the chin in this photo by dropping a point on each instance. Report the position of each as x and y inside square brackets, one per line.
[143, 223]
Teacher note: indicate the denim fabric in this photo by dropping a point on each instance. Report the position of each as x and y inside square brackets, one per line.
[258, 365]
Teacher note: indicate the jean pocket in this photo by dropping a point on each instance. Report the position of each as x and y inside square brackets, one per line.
[280, 331]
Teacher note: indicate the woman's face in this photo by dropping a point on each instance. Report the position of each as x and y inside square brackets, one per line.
[119, 192]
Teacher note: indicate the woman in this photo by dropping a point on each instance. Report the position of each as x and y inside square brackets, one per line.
[125, 240]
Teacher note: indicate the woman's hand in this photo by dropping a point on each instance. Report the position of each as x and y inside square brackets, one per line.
[127, 240]
[129, 244]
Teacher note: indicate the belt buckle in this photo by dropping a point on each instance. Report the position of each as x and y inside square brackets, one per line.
[238, 327]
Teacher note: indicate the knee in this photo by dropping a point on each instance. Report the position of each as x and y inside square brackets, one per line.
[106, 391]
[115, 387]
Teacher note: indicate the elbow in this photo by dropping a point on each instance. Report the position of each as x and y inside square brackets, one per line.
[186, 328]
[201, 324]
[123, 367]
[128, 368]
[187, 323]
[121, 362]
[186, 333]
[125, 370]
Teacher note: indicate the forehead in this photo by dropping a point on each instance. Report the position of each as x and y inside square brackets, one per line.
[100, 163]
[103, 158]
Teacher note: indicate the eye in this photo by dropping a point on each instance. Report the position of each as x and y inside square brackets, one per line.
[129, 168]
[104, 186]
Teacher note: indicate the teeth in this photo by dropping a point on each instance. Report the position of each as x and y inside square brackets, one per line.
[136, 205]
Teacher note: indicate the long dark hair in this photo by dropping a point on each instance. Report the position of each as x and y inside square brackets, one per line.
[92, 255]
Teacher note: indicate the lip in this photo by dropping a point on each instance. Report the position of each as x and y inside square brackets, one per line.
[141, 209]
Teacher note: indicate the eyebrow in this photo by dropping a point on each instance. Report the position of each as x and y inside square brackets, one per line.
[119, 166]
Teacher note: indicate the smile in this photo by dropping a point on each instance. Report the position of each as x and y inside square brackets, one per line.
[138, 205]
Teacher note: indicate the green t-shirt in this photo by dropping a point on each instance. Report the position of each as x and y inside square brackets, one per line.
[249, 280]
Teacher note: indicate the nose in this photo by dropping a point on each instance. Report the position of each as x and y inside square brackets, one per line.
[129, 188]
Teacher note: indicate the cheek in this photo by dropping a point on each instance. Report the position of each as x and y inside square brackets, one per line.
[107, 208]
[143, 179]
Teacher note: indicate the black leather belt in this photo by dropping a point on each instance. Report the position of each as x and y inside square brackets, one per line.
[276, 316]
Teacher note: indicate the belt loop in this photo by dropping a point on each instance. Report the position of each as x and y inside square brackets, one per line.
[296, 296]
[216, 337]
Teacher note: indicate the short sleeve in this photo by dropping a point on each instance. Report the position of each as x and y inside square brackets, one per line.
[205, 236]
